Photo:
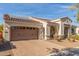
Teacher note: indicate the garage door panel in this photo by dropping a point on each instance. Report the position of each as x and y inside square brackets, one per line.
[19, 34]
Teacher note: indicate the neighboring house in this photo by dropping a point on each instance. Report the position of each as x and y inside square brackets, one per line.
[19, 28]
[77, 30]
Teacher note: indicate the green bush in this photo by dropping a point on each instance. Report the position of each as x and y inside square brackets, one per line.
[77, 37]
[1, 28]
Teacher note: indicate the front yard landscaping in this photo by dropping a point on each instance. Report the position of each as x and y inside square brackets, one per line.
[40, 48]
[66, 52]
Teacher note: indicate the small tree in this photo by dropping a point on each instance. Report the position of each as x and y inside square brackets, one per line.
[1, 28]
[78, 16]
[76, 8]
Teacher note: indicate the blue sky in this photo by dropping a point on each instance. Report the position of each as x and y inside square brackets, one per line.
[43, 10]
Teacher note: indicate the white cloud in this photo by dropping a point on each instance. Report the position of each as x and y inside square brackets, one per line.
[1, 8]
[64, 7]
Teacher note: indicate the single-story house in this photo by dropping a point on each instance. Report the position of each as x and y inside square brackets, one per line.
[24, 28]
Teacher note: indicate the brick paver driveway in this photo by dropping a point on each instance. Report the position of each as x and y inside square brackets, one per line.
[33, 47]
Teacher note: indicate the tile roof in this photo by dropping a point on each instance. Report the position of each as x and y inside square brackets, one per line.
[43, 19]
[26, 18]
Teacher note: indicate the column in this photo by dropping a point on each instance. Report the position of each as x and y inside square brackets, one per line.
[48, 32]
[61, 29]
[69, 30]
[45, 32]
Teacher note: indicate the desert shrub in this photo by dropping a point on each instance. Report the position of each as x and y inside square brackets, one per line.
[73, 38]
[1, 28]
[77, 37]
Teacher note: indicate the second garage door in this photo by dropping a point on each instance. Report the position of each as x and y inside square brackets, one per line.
[24, 33]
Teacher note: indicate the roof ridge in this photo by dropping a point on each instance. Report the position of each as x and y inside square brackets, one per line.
[44, 19]
[19, 17]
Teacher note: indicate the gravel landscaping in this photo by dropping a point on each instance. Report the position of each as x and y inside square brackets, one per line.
[66, 52]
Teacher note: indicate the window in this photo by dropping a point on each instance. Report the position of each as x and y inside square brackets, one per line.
[23, 27]
[33, 28]
[27, 27]
[14, 27]
[30, 27]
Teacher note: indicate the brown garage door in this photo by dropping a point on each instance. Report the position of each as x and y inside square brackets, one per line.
[22, 33]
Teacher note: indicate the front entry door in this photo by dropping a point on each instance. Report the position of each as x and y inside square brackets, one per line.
[65, 32]
[52, 31]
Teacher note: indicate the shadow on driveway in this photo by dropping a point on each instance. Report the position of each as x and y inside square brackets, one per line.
[5, 49]
[6, 46]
